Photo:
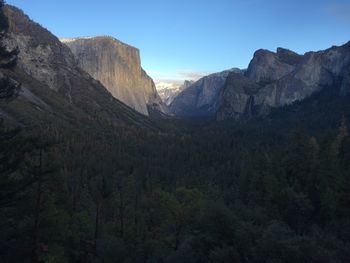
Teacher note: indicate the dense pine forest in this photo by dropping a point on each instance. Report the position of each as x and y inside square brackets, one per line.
[193, 191]
[272, 189]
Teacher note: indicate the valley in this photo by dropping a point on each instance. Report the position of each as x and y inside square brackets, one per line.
[97, 165]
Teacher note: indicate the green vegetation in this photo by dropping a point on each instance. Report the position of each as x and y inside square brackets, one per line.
[263, 190]
[3, 19]
[200, 192]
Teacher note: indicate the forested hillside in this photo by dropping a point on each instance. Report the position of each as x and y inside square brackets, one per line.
[200, 192]
[117, 187]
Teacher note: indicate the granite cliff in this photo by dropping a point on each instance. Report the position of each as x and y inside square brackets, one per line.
[53, 86]
[273, 79]
[118, 67]
[281, 78]
[88, 76]
[201, 98]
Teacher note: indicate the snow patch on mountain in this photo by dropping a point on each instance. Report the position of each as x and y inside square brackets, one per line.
[169, 90]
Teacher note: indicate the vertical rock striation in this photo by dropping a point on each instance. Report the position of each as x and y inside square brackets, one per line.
[52, 82]
[118, 67]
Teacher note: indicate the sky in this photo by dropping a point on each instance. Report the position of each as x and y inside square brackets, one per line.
[186, 39]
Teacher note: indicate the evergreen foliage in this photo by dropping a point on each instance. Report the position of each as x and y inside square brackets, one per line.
[189, 195]
[3, 20]
[266, 190]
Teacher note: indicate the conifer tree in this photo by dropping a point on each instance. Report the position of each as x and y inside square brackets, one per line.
[8, 59]
[3, 19]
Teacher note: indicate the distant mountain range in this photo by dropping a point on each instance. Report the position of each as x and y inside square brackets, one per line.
[272, 80]
[277, 79]
[101, 77]
[169, 90]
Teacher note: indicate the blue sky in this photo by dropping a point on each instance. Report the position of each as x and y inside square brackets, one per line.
[183, 39]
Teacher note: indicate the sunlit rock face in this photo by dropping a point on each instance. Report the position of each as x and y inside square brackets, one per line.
[281, 78]
[53, 84]
[118, 67]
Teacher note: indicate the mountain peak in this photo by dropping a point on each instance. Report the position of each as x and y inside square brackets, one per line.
[65, 90]
[282, 78]
[267, 66]
[119, 70]
[263, 52]
[94, 38]
[288, 56]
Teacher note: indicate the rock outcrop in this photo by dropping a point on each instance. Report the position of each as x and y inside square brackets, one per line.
[237, 99]
[201, 98]
[284, 77]
[118, 67]
[267, 66]
[53, 84]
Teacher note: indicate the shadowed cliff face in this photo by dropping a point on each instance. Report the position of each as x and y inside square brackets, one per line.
[201, 97]
[267, 66]
[54, 87]
[273, 79]
[118, 67]
[281, 78]
[41, 54]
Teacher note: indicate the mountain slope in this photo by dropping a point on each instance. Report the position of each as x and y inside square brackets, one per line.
[54, 88]
[118, 67]
[200, 98]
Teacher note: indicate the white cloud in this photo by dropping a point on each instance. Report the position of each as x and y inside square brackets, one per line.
[193, 75]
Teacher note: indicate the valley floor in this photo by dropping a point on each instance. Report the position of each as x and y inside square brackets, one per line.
[186, 191]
